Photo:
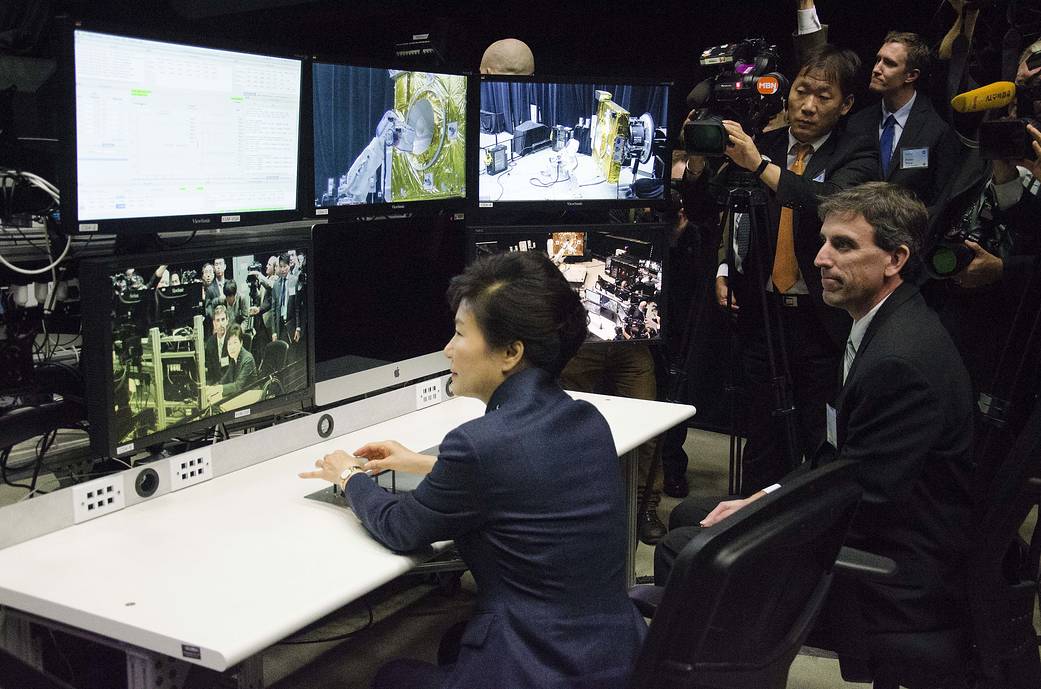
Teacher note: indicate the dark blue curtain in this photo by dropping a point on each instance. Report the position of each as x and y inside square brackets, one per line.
[348, 104]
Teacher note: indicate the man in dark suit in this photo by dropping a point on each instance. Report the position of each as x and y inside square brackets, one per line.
[917, 150]
[216, 354]
[286, 320]
[904, 412]
[241, 371]
[797, 165]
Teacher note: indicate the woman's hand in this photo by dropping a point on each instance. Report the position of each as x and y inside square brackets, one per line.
[331, 466]
[391, 455]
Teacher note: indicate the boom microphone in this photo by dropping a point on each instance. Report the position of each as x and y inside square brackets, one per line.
[996, 95]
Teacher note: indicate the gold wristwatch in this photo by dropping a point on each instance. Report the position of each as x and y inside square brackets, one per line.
[346, 474]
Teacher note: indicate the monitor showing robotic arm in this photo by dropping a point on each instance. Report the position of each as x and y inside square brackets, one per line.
[402, 135]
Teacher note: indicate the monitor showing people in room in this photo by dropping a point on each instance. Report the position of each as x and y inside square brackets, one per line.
[617, 270]
[193, 339]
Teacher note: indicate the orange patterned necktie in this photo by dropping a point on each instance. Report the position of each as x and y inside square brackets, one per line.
[786, 267]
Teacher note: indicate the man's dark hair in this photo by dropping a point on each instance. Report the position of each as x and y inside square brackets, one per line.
[895, 213]
[919, 55]
[522, 296]
[284, 259]
[230, 288]
[234, 330]
[838, 65]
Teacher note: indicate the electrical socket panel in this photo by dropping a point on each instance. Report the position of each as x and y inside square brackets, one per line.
[189, 468]
[97, 497]
[428, 392]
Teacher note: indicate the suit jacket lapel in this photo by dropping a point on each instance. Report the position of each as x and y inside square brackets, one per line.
[902, 293]
[820, 158]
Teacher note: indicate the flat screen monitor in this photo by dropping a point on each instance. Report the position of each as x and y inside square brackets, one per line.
[170, 136]
[556, 142]
[178, 342]
[387, 139]
[381, 311]
[619, 271]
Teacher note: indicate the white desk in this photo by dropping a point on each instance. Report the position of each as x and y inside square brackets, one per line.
[228, 567]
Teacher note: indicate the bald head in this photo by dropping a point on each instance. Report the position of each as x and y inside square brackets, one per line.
[508, 56]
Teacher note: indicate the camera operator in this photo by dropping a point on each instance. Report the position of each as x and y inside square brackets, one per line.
[997, 234]
[819, 158]
[264, 326]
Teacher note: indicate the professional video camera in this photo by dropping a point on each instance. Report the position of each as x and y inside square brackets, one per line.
[1007, 138]
[253, 280]
[748, 90]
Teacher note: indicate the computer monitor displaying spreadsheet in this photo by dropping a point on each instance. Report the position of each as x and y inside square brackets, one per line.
[193, 135]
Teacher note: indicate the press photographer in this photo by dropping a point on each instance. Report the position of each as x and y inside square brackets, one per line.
[770, 268]
[983, 254]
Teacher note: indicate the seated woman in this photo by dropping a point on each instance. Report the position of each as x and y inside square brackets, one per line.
[531, 493]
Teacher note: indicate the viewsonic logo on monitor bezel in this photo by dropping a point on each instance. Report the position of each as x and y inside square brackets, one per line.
[201, 221]
[575, 203]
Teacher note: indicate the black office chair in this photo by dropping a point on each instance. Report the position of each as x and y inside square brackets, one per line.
[743, 594]
[275, 355]
[998, 649]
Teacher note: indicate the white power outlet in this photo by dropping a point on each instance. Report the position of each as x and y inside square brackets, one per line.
[190, 467]
[428, 392]
[97, 497]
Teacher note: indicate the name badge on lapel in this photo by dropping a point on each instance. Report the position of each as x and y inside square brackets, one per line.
[912, 158]
[820, 177]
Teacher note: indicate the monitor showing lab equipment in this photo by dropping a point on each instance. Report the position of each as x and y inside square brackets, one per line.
[381, 311]
[387, 139]
[172, 136]
[559, 142]
[179, 342]
[619, 271]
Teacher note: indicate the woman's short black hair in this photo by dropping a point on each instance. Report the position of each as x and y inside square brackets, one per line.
[522, 295]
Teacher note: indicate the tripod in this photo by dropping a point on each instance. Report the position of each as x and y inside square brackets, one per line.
[746, 196]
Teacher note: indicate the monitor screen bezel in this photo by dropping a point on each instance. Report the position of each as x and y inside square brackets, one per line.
[96, 298]
[70, 221]
[364, 210]
[486, 210]
[656, 233]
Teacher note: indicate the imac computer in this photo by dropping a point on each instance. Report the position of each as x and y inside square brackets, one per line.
[177, 343]
[387, 139]
[549, 143]
[381, 311]
[172, 136]
[618, 270]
